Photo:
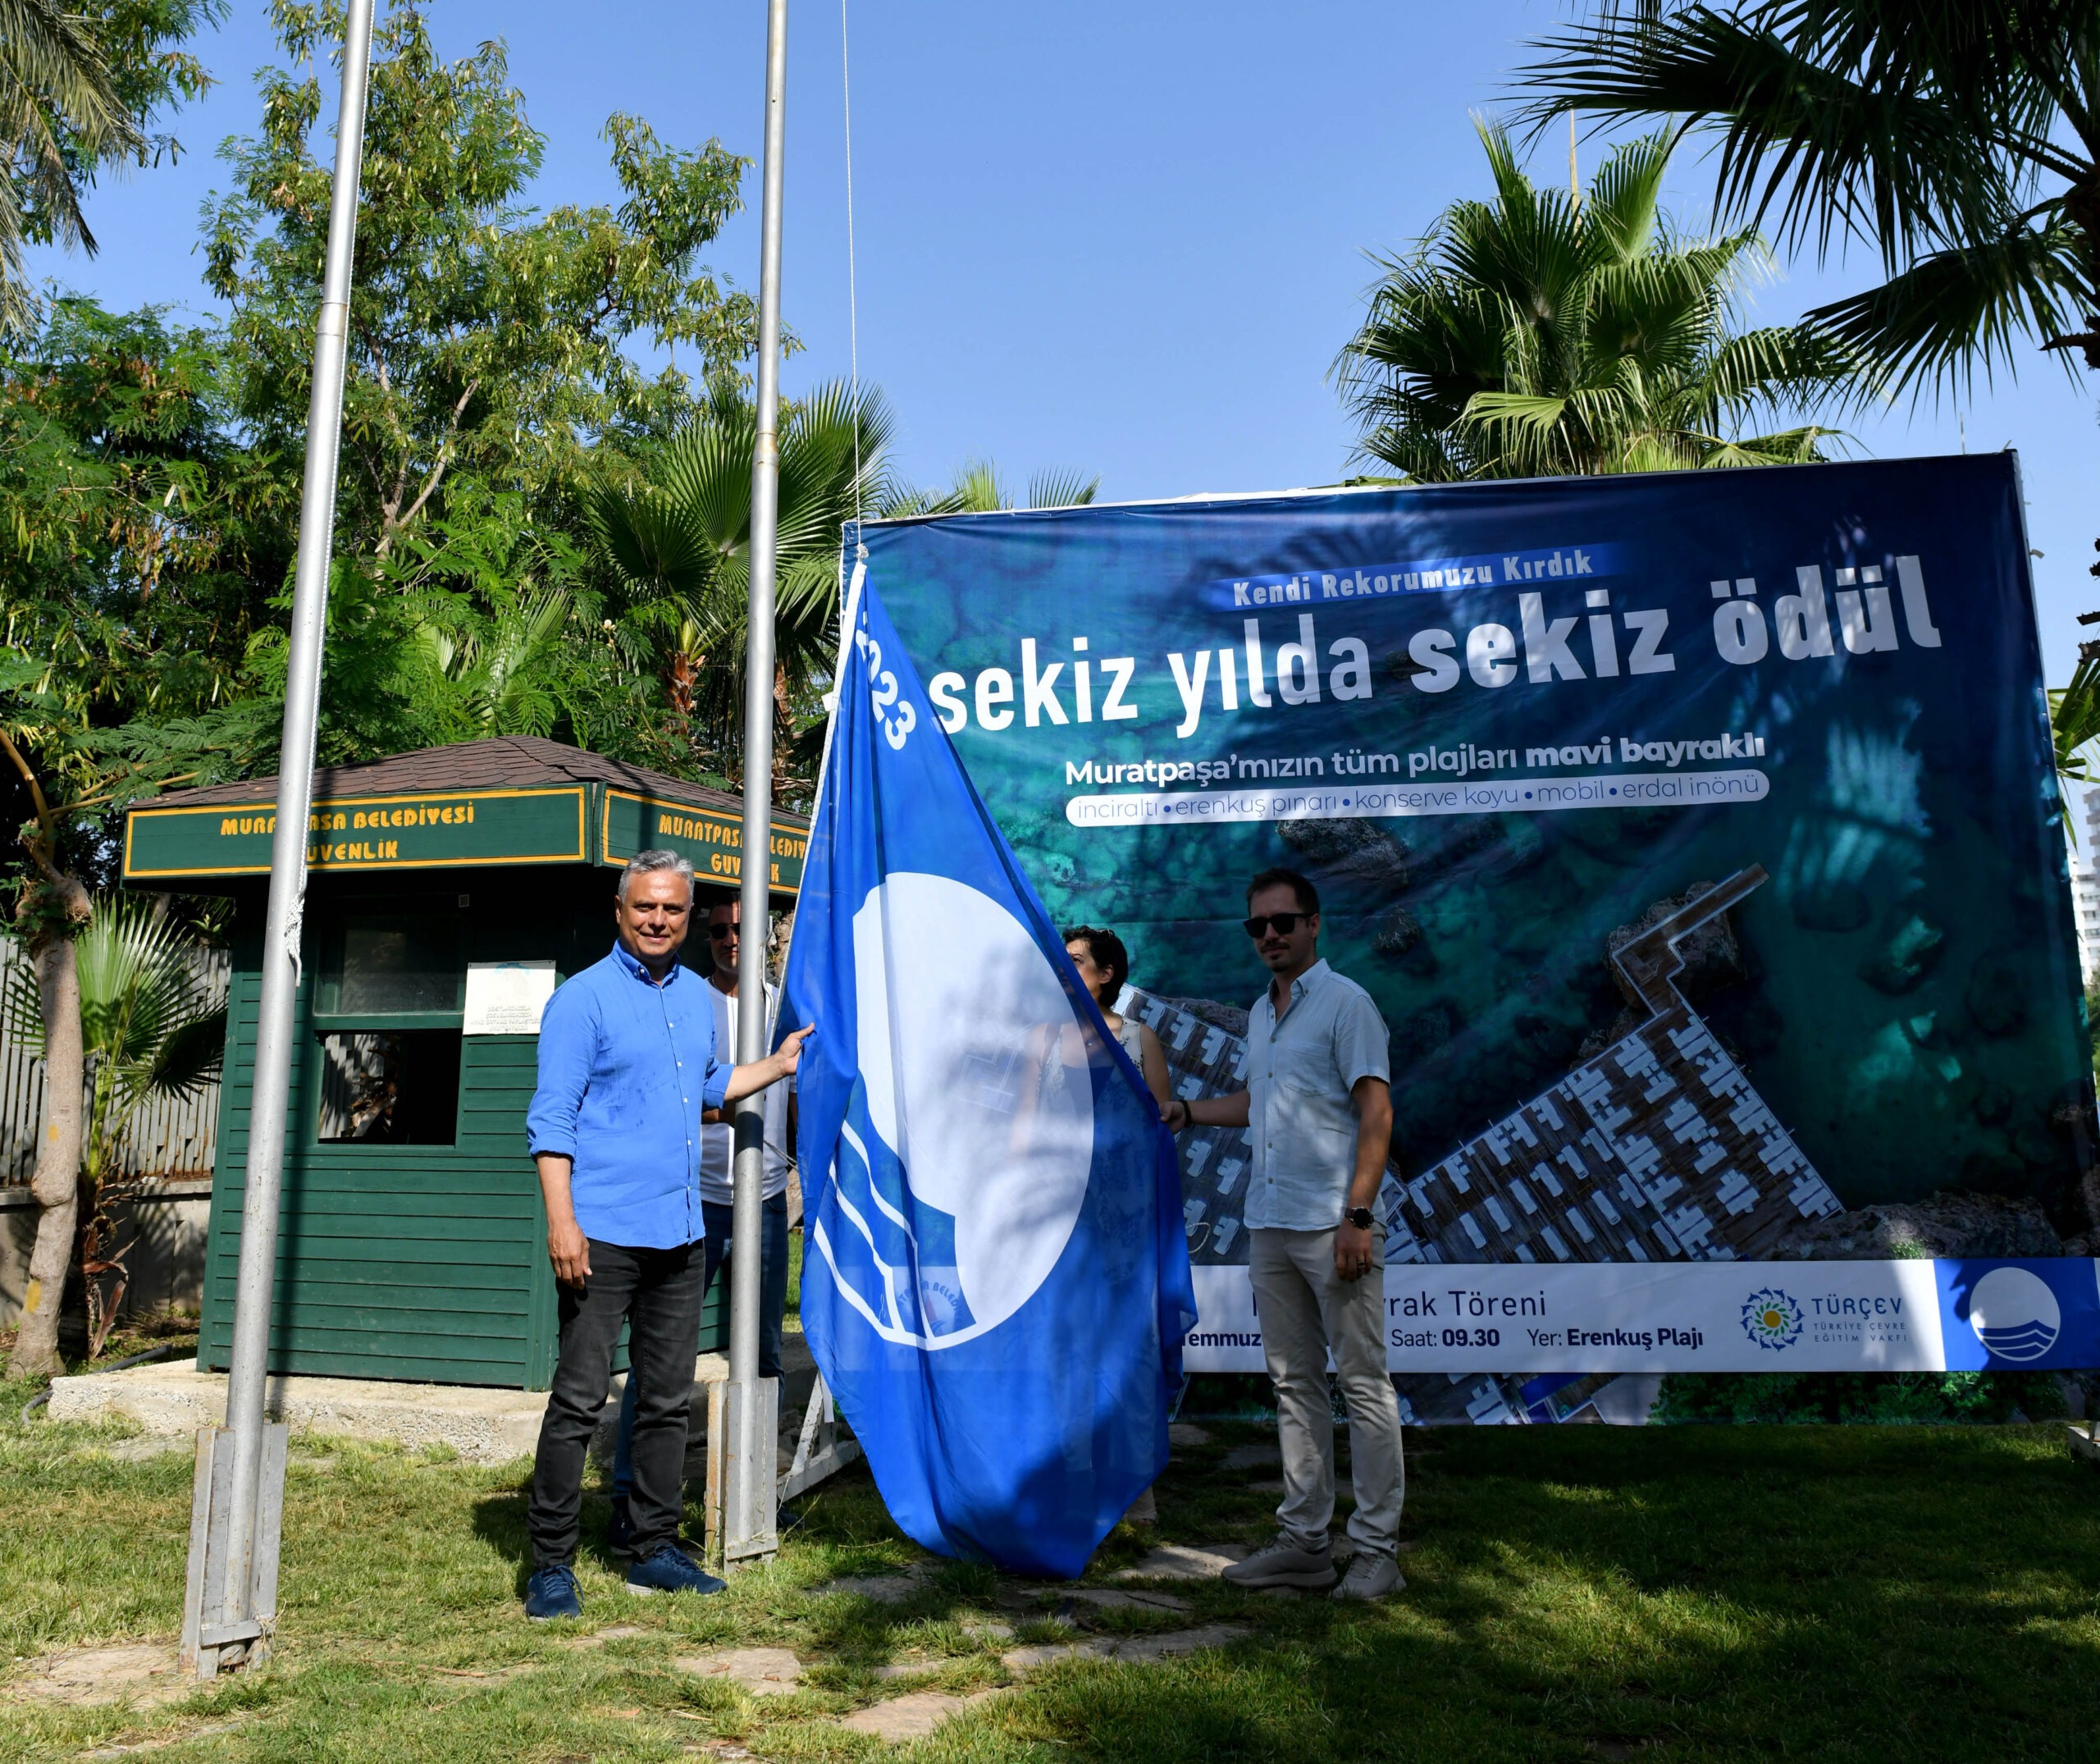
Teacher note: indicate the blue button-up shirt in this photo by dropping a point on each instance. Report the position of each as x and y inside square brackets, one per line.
[1301, 1071]
[626, 1068]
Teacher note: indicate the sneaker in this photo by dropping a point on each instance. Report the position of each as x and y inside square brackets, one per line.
[551, 1593]
[667, 1568]
[619, 1534]
[1284, 1564]
[1369, 1578]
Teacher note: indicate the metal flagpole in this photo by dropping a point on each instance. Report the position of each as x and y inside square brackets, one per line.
[238, 1502]
[751, 1408]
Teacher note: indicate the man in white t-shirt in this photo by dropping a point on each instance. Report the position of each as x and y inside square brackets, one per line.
[718, 1194]
[717, 1189]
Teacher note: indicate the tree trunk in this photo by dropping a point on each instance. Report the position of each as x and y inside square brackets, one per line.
[56, 1183]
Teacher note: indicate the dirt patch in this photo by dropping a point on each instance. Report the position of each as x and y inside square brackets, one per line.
[144, 1673]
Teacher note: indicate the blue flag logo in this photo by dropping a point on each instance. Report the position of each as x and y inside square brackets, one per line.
[996, 1286]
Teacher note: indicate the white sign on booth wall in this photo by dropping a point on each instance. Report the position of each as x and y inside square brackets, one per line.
[1725, 1316]
[506, 997]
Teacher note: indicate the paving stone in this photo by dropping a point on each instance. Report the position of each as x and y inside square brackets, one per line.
[1187, 1433]
[1104, 1599]
[1181, 1561]
[1251, 1457]
[1018, 1661]
[1138, 1648]
[1177, 1642]
[911, 1716]
[884, 1589]
[757, 1671]
[984, 1630]
[144, 1673]
[1273, 1485]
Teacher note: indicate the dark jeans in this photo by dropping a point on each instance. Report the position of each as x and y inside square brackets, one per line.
[658, 1293]
[720, 1223]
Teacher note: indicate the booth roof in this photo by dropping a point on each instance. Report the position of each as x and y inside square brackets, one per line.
[503, 762]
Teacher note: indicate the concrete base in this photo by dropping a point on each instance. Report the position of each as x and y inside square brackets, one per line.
[483, 1425]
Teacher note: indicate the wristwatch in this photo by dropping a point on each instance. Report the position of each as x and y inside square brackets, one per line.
[1362, 1217]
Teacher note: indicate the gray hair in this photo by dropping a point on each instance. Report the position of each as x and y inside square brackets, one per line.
[644, 863]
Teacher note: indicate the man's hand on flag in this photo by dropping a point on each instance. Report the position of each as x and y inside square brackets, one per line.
[781, 1063]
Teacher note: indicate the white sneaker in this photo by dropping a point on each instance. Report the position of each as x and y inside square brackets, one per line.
[1369, 1578]
[1284, 1564]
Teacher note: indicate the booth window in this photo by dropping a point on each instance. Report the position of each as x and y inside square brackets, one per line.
[388, 1001]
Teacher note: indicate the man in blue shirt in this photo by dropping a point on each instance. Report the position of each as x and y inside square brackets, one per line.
[627, 1067]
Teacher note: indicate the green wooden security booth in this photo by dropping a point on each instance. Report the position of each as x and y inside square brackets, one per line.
[449, 889]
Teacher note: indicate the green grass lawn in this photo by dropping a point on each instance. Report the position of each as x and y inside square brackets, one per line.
[1575, 1593]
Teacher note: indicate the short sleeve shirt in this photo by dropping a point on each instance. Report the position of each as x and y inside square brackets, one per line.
[1301, 1117]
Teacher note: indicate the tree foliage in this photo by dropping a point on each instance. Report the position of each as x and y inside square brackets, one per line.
[485, 338]
[1960, 138]
[677, 542]
[1529, 336]
[81, 86]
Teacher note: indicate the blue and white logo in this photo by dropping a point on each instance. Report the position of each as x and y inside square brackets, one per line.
[983, 1150]
[2015, 1314]
[1772, 1318]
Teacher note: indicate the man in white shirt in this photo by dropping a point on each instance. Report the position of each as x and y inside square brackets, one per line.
[1320, 1104]
[718, 1191]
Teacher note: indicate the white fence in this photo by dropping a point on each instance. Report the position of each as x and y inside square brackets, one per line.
[166, 1137]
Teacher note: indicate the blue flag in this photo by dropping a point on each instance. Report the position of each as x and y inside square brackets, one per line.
[996, 1281]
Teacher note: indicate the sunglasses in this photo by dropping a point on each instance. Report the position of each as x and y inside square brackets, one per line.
[1282, 923]
[721, 933]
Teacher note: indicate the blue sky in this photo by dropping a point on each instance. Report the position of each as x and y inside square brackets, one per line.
[1122, 239]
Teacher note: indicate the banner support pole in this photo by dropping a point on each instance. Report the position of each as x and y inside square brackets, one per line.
[750, 1528]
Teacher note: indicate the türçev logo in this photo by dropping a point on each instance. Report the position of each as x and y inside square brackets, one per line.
[1771, 1318]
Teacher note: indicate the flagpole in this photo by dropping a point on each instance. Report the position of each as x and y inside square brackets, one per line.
[751, 1408]
[236, 1516]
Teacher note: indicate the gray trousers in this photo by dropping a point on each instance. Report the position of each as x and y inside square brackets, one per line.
[1305, 1309]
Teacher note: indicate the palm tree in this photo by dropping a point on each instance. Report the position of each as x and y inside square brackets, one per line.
[59, 108]
[677, 546]
[1960, 138]
[148, 1029]
[1532, 337]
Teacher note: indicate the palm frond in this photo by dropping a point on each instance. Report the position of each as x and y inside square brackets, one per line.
[1954, 310]
[1624, 197]
[187, 1058]
[1062, 490]
[1802, 142]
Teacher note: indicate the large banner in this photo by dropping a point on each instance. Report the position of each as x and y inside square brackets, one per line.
[1696, 835]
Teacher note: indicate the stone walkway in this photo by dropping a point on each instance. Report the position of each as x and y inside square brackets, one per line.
[915, 1714]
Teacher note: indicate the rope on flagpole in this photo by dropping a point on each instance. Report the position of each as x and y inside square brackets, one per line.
[852, 289]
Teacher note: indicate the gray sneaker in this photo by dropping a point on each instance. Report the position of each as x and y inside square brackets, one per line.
[1284, 1564]
[1369, 1578]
